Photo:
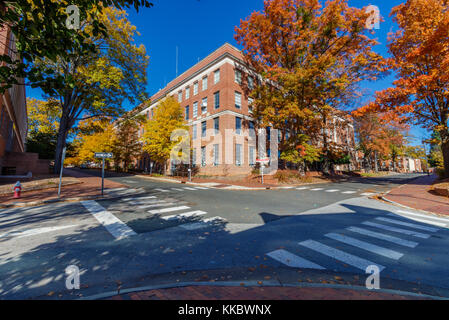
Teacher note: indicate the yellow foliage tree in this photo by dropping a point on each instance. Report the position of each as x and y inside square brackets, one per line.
[168, 117]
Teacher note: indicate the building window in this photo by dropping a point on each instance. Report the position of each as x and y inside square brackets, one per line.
[180, 96]
[195, 88]
[195, 109]
[238, 76]
[194, 157]
[152, 113]
[217, 125]
[238, 100]
[216, 154]
[204, 106]
[187, 93]
[238, 154]
[203, 156]
[148, 115]
[195, 131]
[204, 86]
[252, 153]
[238, 125]
[187, 112]
[250, 83]
[217, 76]
[203, 129]
[217, 99]
[250, 104]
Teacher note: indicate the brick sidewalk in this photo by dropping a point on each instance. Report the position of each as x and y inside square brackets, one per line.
[89, 186]
[417, 195]
[260, 293]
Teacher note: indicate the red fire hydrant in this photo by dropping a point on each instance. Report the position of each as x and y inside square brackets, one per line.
[17, 190]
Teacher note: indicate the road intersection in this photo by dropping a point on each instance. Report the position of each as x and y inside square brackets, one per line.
[159, 229]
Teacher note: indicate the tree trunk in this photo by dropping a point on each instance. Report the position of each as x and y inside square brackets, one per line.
[445, 151]
[376, 169]
[61, 143]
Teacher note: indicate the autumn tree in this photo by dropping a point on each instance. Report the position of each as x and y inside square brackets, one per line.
[97, 84]
[309, 59]
[39, 30]
[420, 57]
[168, 117]
[128, 145]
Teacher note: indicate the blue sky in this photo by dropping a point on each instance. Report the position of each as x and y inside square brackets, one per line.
[198, 27]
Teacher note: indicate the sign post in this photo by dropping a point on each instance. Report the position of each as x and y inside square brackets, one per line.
[262, 162]
[103, 156]
[60, 173]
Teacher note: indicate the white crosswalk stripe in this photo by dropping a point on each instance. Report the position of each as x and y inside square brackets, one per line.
[158, 204]
[342, 256]
[407, 224]
[366, 246]
[138, 198]
[332, 190]
[382, 236]
[167, 210]
[349, 192]
[202, 188]
[317, 189]
[162, 190]
[426, 216]
[177, 189]
[185, 215]
[203, 224]
[302, 188]
[432, 222]
[292, 260]
[188, 188]
[397, 230]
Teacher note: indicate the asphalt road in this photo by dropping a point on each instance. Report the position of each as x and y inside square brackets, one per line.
[164, 232]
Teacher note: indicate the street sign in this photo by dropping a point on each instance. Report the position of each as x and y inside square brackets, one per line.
[103, 155]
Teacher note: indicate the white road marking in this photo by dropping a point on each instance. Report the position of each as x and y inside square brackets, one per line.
[185, 215]
[302, 188]
[347, 258]
[202, 188]
[317, 189]
[129, 181]
[333, 190]
[367, 194]
[117, 228]
[291, 260]
[173, 209]
[138, 198]
[191, 189]
[366, 246]
[202, 224]
[432, 222]
[33, 232]
[349, 192]
[176, 189]
[162, 190]
[157, 205]
[399, 241]
[398, 230]
[424, 216]
[407, 224]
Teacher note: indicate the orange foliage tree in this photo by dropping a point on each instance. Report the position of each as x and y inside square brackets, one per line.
[420, 56]
[309, 59]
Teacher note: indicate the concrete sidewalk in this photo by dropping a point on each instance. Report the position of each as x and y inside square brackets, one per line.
[262, 293]
[417, 195]
[90, 186]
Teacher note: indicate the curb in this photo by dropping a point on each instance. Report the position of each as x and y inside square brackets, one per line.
[255, 283]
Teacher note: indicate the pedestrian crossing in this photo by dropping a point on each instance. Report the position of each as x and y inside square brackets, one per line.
[162, 212]
[334, 191]
[374, 242]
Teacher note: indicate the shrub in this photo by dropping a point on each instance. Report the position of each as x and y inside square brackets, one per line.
[440, 172]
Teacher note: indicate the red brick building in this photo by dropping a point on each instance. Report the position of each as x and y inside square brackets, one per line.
[217, 111]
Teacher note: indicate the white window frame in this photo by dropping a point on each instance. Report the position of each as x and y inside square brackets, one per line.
[195, 88]
[187, 93]
[238, 155]
[204, 105]
[238, 76]
[238, 94]
[217, 76]
[204, 83]
[216, 155]
[195, 109]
